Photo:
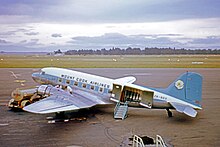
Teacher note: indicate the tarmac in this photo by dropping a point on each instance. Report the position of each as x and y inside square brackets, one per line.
[99, 128]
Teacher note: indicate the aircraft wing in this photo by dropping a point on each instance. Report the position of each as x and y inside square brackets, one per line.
[184, 109]
[61, 100]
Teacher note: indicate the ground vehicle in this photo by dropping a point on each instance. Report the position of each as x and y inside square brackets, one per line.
[22, 97]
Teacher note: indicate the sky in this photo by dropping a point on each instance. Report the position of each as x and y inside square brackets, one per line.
[48, 25]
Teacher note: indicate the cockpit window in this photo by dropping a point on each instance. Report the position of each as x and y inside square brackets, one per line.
[42, 73]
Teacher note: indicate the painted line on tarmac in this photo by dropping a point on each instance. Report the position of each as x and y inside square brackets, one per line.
[4, 102]
[4, 124]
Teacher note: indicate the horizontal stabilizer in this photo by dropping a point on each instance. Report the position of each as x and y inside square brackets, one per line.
[184, 109]
[126, 80]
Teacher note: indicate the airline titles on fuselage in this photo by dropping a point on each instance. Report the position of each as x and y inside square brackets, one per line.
[86, 81]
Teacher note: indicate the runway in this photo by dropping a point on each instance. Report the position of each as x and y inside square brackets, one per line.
[99, 128]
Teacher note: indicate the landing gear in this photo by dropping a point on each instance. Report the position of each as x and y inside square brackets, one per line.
[66, 117]
[169, 113]
[59, 117]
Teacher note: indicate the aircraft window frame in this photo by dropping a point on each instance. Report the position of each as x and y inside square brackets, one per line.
[60, 80]
[100, 89]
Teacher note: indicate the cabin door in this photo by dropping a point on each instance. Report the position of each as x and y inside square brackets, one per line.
[118, 93]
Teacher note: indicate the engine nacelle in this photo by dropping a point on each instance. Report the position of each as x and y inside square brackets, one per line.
[44, 90]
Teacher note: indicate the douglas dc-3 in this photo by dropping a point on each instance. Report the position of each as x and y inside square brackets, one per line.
[87, 90]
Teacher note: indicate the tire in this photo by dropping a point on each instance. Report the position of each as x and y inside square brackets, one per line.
[24, 103]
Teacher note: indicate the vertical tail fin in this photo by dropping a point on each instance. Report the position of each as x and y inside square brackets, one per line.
[187, 87]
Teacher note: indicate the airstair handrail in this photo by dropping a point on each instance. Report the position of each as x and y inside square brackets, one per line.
[137, 141]
[125, 112]
[159, 141]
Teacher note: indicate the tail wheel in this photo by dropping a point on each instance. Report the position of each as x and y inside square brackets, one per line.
[25, 103]
[169, 113]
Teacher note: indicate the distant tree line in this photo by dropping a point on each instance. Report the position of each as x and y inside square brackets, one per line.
[138, 51]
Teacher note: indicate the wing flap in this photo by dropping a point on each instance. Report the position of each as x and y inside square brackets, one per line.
[184, 109]
[49, 106]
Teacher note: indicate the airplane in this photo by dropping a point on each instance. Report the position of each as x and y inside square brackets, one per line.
[184, 94]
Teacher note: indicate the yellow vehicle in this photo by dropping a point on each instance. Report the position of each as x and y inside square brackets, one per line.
[22, 97]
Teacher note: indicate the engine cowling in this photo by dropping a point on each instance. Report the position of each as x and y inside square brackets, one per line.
[44, 90]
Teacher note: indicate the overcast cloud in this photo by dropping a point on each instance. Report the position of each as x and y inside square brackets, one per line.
[94, 24]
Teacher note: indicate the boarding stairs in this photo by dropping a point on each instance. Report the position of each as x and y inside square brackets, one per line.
[121, 110]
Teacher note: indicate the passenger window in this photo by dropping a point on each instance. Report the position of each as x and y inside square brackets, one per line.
[68, 82]
[60, 80]
[84, 85]
[76, 83]
[100, 89]
[92, 87]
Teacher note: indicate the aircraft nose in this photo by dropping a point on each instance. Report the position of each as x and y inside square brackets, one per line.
[36, 77]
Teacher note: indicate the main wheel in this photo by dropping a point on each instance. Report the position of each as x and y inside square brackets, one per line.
[24, 103]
